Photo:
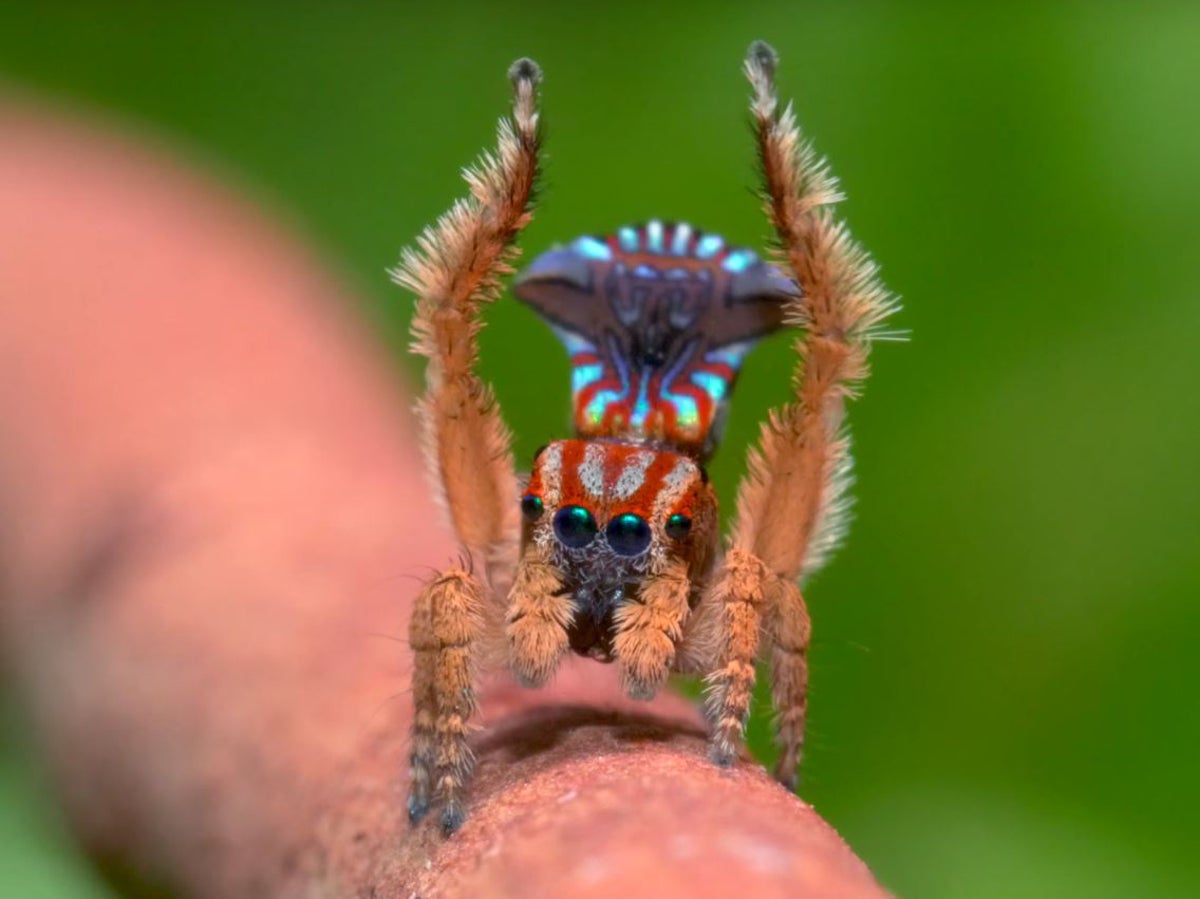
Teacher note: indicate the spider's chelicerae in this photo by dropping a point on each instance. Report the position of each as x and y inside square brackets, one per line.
[612, 547]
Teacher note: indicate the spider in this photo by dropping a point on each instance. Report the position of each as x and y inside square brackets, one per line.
[612, 548]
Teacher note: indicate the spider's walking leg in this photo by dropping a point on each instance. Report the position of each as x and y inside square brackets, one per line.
[539, 612]
[789, 630]
[455, 271]
[446, 625]
[741, 587]
[423, 737]
[791, 504]
[649, 626]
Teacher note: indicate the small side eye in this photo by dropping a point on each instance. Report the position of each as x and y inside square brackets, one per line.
[574, 526]
[678, 526]
[531, 507]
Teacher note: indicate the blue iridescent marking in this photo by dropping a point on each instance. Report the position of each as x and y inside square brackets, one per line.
[654, 236]
[646, 271]
[604, 398]
[739, 261]
[679, 242]
[676, 274]
[592, 249]
[687, 413]
[583, 375]
[641, 406]
[714, 385]
[708, 246]
[600, 402]
[628, 238]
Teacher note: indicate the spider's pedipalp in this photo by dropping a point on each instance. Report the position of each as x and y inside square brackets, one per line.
[454, 270]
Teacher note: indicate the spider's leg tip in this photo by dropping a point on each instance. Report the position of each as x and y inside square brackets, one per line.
[417, 808]
[453, 817]
[525, 71]
[763, 57]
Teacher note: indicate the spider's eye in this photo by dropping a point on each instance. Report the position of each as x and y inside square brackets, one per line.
[531, 507]
[574, 526]
[628, 535]
[678, 526]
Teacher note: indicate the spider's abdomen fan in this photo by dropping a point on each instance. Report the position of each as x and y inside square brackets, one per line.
[657, 320]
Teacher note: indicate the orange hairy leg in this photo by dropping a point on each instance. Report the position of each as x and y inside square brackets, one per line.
[791, 504]
[789, 630]
[444, 631]
[455, 271]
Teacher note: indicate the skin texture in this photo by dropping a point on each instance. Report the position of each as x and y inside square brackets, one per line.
[208, 555]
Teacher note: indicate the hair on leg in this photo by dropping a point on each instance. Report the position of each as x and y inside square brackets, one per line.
[742, 587]
[792, 501]
[445, 631]
[423, 748]
[789, 631]
[455, 270]
[792, 505]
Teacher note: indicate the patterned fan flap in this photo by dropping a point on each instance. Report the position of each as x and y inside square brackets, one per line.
[657, 320]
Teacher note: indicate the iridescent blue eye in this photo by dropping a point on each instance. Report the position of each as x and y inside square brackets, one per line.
[574, 526]
[531, 507]
[628, 535]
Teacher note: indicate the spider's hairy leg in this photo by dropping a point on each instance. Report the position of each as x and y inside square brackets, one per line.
[741, 588]
[539, 613]
[444, 632]
[649, 625]
[791, 504]
[423, 737]
[455, 271]
[789, 630]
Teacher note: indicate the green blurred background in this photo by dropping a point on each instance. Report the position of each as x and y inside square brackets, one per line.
[1004, 681]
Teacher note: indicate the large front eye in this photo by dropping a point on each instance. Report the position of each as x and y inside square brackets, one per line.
[574, 526]
[628, 535]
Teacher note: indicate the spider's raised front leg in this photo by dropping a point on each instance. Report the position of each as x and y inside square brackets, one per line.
[455, 271]
[791, 505]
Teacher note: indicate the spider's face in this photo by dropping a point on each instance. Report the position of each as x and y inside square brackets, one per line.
[608, 511]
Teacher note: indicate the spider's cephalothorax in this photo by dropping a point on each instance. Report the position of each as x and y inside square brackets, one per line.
[611, 549]
[607, 514]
